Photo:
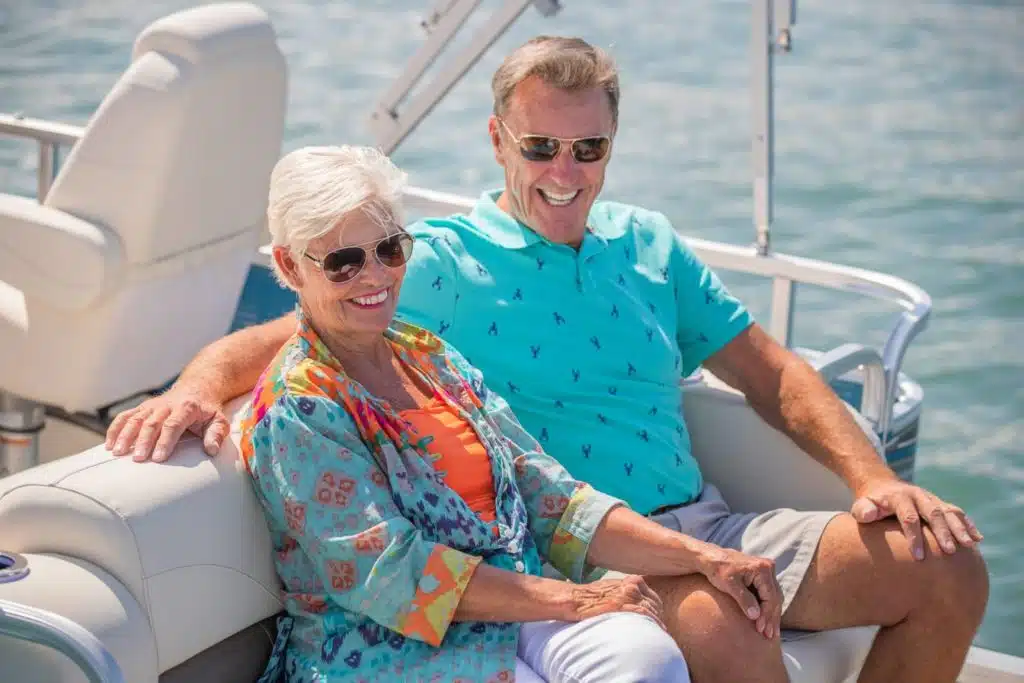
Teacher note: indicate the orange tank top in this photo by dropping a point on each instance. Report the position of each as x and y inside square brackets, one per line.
[459, 454]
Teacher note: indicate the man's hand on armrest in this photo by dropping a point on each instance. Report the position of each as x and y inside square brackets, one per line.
[221, 371]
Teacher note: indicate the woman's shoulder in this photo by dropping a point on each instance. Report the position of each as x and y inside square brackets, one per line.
[426, 348]
[292, 387]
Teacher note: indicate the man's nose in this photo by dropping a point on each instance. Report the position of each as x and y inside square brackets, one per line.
[564, 167]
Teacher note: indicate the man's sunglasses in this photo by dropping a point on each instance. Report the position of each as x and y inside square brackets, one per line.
[547, 147]
[342, 265]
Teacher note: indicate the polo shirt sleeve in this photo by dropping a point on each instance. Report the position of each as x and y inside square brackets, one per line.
[708, 315]
[430, 288]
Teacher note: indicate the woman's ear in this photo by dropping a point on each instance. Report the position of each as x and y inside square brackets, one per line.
[287, 267]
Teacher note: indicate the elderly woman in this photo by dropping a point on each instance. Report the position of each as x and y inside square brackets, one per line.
[410, 512]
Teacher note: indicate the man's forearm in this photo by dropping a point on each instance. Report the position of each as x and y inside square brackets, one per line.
[808, 411]
[630, 543]
[231, 365]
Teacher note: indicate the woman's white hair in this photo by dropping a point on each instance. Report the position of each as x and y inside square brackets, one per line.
[312, 189]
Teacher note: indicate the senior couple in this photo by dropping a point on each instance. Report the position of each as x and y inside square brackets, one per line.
[460, 407]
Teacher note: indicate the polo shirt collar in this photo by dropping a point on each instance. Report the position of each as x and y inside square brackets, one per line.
[505, 231]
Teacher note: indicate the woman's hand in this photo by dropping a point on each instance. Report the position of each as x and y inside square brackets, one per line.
[629, 594]
[750, 581]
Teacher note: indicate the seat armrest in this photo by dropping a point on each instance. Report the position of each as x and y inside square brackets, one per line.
[92, 599]
[50, 254]
[44, 627]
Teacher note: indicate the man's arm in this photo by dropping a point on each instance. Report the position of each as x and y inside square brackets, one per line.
[790, 395]
[221, 371]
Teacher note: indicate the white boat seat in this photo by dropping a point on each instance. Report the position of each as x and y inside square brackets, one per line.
[153, 218]
[171, 564]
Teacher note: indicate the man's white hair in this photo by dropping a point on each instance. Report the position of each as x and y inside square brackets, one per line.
[312, 189]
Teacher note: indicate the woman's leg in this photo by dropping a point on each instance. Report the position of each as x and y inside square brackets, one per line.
[620, 646]
[524, 674]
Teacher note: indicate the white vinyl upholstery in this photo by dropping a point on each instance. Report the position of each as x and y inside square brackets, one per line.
[159, 561]
[169, 560]
[153, 219]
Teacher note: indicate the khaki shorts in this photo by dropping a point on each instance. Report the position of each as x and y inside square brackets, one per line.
[789, 537]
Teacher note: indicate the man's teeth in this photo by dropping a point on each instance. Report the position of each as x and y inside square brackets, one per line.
[559, 199]
[371, 300]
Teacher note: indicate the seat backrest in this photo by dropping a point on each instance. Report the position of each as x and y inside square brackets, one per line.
[178, 155]
[172, 559]
[176, 164]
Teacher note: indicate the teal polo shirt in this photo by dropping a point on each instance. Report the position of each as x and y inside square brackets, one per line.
[588, 346]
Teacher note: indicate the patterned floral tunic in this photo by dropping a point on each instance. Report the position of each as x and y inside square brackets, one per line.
[373, 549]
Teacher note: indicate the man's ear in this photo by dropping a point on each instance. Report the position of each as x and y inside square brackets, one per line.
[494, 130]
[287, 266]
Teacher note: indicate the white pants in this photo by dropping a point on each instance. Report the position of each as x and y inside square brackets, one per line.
[619, 647]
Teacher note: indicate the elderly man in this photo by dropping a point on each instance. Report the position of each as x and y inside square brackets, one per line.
[585, 314]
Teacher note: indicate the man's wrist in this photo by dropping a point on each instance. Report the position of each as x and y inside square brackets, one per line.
[866, 479]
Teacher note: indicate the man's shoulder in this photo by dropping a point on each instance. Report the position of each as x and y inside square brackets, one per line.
[447, 230]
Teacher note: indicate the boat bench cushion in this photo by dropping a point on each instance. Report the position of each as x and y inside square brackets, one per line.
[238, 659]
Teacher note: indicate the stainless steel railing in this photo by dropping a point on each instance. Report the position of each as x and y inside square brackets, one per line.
[784, 271]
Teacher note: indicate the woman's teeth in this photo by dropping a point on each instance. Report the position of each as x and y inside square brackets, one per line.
[372, 299]
[556, 199]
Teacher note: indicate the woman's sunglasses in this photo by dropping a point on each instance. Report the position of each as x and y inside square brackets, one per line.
[547, 147]
[342, 265]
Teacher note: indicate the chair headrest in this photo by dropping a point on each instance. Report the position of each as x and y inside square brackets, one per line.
[205, 32]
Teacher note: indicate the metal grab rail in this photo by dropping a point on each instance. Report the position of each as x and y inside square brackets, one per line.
[50, 135]
[63, 635]
[783, 270]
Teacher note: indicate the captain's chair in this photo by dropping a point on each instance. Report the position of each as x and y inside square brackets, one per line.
[137, 256]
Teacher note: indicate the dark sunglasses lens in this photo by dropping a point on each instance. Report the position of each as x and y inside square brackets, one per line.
[344, 264]
[539, 148]
[395, 250]
[590, 150]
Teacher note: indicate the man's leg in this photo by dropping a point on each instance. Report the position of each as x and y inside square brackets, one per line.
[718, 641]
[834, 573]
[929, 610]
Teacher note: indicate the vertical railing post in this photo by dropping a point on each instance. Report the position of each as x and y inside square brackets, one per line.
[46, 169]
[762, 113]
[780, 320]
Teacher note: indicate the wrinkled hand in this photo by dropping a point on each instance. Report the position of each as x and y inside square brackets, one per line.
[752, 584]
[152, 428]
[629, 594]
[912, 505]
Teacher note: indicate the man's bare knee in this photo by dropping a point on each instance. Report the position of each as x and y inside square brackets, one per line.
[719, 642]
[959, 586]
